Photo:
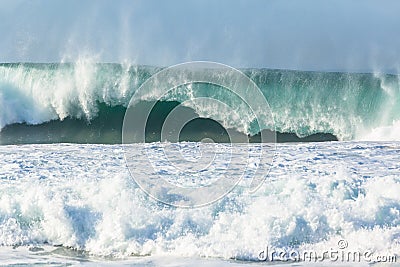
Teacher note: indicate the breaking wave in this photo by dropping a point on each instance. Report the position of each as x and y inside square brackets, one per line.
[85, 102]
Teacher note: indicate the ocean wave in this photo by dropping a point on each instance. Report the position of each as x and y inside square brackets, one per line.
[347, 105]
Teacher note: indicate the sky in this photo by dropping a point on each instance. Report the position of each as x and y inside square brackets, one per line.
[350, 35]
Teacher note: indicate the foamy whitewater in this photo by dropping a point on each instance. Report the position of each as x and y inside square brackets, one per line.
[77, 204]
[63, 202]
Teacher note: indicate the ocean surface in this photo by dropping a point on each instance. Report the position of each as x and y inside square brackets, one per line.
[68, 198]
[77, 204]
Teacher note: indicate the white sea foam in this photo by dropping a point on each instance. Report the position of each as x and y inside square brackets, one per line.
[81, 196]
[382, 133]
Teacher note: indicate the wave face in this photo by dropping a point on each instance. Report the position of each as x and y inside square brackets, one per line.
[55, 96]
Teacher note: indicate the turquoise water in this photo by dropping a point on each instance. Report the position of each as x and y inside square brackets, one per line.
[86, 101]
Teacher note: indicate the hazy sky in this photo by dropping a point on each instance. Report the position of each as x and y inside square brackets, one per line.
[295, 34]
